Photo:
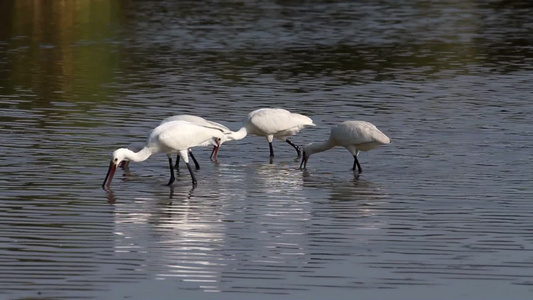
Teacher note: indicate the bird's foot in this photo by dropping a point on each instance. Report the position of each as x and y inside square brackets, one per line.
[171, 181]
[358, 171]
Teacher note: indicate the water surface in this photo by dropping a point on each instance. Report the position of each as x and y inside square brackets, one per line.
[444, 212]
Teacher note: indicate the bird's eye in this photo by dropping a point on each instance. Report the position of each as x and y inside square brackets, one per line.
[116, 159]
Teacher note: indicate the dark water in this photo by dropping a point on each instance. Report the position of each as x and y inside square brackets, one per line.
[445, 212]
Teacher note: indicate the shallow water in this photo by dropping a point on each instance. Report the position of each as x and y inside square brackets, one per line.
[444, 212]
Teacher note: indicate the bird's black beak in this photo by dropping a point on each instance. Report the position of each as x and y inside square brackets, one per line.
[109, 176]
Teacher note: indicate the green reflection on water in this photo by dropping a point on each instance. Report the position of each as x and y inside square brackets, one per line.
[59, 51]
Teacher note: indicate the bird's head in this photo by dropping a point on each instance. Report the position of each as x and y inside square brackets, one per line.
[119, 155]
[222, 139]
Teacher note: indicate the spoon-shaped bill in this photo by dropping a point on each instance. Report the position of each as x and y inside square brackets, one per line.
[215, 150]
[109, 176]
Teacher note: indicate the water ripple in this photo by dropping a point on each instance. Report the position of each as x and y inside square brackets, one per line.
[443, 212]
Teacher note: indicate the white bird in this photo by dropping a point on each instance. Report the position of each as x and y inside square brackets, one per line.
[170, 137]
[273, 123]
[353, 135]
[205, 123]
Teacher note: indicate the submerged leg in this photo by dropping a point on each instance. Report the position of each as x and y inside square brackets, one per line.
[271, 149]
[213, 152]
[194, 159]
[124, 165]
[356, 164]
[177, 166]
[172, 178]
[295, 147]
[194, 183]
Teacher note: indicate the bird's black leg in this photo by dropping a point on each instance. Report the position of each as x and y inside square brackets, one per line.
[356, 163]
[194, 159]
[295, 147]
[194, 183]
[172, 178]
[271, 149]
[124, 165]
[213, 152]
[177, 166]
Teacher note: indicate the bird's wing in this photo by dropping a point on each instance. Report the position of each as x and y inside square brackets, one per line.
[187, 118]
[358, 132]
[273, 120]
[181, 135]
[218, 126]
[198, 121]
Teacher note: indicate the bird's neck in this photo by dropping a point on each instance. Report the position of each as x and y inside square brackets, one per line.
[238, 135]
[142, 155]
[319, 147]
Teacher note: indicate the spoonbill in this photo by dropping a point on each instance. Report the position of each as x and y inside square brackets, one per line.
[170, 137]
[353, 135]
[273, 123]
[205, 123]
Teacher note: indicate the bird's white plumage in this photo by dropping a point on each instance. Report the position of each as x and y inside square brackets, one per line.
[228, 134]
[169, 137]
[362, 135]
[198, 121]
[355, 136]
[174, 136]
[276, 122]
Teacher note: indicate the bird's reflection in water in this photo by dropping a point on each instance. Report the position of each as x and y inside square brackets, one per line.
[347, 212]
[111, 198]
[353, 197]
[175, 235]
[188, 196]
[357, 189]
[276, 218]
[283, 176]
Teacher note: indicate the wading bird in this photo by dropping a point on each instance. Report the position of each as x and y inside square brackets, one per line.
[170, 137]
[205, 123]
[274, 123]
[353, 135]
